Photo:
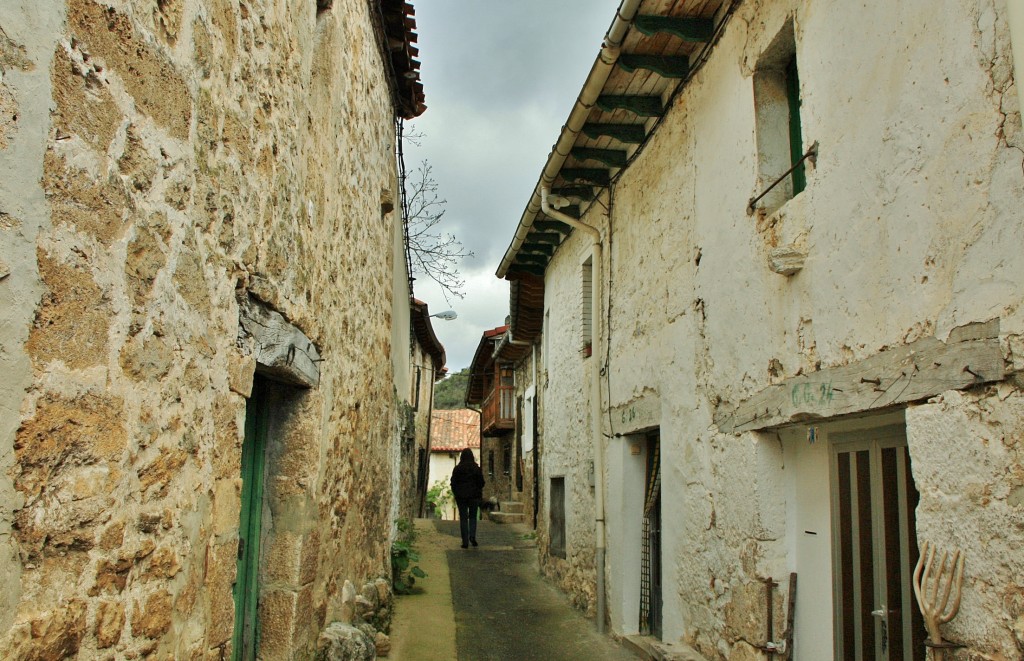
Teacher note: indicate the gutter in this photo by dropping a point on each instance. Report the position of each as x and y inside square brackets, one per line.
[595, 82]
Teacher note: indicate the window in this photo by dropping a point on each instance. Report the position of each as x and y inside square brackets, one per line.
[777, 121]
[490, 464]
[416, 393]
[586, 300]
[556, 541]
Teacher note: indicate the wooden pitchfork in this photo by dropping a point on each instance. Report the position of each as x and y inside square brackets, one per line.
[933, 587]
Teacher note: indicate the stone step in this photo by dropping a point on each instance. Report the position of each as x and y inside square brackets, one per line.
[512, 507]
[507, 517]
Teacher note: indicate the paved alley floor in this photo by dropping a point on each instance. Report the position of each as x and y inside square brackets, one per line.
[490, 604]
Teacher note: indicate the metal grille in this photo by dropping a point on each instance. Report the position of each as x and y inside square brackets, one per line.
[650, 502]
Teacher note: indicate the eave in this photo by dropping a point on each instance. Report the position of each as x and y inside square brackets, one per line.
[650, 51]
[399, 25]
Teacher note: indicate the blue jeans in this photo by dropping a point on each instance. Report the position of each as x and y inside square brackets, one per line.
[469, 509]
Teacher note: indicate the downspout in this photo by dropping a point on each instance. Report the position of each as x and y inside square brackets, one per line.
[1015, 19]
[595, 395]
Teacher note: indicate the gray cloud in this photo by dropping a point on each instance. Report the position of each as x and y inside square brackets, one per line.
[500, 80]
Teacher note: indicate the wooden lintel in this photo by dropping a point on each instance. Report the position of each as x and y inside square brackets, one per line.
[282, 351]
[615, 158]
[696, 30]
[579, 192]
[596, 176]
[912, 372]
[667, 67]
[554, 225]
[630, 134]
[643, 106]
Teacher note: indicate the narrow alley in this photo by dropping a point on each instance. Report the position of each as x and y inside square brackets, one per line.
[490, 604]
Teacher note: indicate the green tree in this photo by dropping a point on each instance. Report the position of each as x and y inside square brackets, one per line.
[451, 392]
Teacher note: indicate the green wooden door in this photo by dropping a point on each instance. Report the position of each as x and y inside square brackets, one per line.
[246, 636]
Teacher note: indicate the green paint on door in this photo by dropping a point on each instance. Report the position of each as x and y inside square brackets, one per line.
[246, 635]
[796, 140]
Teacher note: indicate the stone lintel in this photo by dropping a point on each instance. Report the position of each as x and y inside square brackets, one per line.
[282, 351]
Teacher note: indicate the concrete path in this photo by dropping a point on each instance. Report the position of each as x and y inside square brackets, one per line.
[490, 604]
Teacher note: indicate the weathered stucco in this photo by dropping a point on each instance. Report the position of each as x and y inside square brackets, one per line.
[911, 225]
[161, 159]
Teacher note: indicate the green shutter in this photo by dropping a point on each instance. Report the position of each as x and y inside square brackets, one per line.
[796, 142]
[246, 592]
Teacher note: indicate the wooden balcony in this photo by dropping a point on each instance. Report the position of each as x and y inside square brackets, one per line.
[499, 410]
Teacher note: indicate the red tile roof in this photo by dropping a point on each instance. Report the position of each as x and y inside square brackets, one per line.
[454, 430]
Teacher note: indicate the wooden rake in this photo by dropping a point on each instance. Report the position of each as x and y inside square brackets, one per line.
[934, 586]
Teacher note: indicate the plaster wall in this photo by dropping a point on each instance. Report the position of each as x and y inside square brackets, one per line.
[160, 160]
[911, 224]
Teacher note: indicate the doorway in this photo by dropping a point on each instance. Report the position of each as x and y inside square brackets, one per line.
[246, 593]
[650, 552]
[874, 547]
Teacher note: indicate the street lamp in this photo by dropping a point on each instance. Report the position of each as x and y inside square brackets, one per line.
[447, 315]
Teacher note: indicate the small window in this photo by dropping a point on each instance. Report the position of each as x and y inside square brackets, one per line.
[556, 541]
[586, 301]
[778, 124]
[490, 464]
[416, 393]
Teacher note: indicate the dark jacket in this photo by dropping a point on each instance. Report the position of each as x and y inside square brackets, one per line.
[467, 480]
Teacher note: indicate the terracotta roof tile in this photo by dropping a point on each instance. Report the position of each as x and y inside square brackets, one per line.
[454, 430]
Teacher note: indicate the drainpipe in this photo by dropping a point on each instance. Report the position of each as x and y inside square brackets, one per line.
[1015, 19]
[595, 392]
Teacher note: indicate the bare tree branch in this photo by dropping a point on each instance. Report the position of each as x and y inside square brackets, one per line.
[433, 253]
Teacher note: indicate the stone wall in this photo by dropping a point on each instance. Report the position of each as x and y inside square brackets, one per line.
[162, 158]
[907, 222]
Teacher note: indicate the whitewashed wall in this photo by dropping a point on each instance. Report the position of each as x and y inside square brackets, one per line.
[912, 225]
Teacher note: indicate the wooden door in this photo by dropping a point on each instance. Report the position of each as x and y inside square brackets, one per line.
[246, 634]
[650, 567]
[874, 548]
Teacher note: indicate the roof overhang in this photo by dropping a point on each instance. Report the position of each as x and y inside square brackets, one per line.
[649, 52]
[399, 25]
[423, 330]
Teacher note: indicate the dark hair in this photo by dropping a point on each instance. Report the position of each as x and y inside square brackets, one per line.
[466, 455]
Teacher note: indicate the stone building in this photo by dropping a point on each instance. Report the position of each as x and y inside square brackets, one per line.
[427, 367]
[783, 328]
[451, 432]
[205, 322]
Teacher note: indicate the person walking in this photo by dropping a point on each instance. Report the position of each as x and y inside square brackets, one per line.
[468, 489]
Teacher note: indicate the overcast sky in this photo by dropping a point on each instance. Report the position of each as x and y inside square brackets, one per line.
[500, 79]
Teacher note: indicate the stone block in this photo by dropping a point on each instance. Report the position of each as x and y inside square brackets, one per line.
[152, 619]
[77, 201]
[344, 642]
[221, 568]
[284, 559]
[73, 318]
[279, 620]
[56, 634]
[163, 564]
[227, 503]
[158, 90]
[162, 470]
[241, 369]
[146, 256]
[83, 101]
[109, 623]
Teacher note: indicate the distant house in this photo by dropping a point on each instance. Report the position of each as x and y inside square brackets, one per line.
[426, 368]
[451, 432]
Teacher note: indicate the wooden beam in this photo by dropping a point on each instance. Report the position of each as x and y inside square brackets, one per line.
[579, 192]
[554, 225]
[667, 67]
[696, 30]
[537, 249]
[282, 351]
[912, 372]
[551, 238]
[527, 258]
[596, 176]
[518, 269]
[631, 134]
[615, 158]
[643, 106]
